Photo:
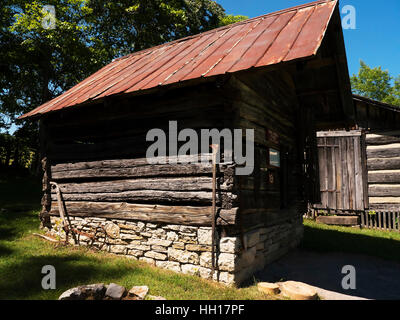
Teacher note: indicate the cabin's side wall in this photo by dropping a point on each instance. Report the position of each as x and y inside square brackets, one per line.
[161, 213]
[270, 199]
[115, 200]
[383, 153]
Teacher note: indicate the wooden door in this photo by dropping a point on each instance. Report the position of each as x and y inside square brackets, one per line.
[342, 170]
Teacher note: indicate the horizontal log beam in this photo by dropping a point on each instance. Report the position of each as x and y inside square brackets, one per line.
[385, 207]
[150, 213]
[385, 190]
[381, 200]
[335, 134]
[339, 220]
[126, 163]
[386, 138]
[200, 197]
[386, 151]
[384, 176]
[166, 184]
[153, 170]
[384, 164]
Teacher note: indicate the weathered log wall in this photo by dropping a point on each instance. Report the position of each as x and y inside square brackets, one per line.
[97, 157]
[266, 102]
[383, 153]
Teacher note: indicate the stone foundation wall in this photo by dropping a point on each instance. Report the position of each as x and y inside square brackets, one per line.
[186, 249]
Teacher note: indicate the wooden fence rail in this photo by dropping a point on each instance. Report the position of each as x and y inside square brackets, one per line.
[380, 220]
[386, 220]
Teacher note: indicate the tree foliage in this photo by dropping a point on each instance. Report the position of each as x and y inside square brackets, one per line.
[376, 84]
[39, 63]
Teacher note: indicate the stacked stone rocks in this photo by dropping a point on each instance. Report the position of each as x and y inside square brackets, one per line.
[187, 249]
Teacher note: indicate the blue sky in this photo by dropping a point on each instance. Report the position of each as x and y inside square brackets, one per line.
[376, 39]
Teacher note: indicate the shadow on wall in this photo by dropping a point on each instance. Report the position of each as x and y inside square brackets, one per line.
[324, 253]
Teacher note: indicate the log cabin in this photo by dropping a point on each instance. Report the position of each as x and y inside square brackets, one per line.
[283, 75]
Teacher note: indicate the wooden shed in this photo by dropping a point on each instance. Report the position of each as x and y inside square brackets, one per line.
[283, 74]
[360, 165]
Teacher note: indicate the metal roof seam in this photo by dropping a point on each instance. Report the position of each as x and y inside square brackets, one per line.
[236, 43]
[276, 37]
[107, 79]
[173, 62]
[248, 48]
[174, 48]
[325, 29]
[271, 14]
[187, 62]
[67, 93]
[98, 76]
[298, 35]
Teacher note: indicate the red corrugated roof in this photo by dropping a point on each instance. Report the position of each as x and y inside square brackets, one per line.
[269, 39]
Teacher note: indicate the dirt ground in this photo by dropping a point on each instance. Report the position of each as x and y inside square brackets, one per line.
[375, 278]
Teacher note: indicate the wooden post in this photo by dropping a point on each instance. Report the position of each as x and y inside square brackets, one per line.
[215, 148]
[46, 167]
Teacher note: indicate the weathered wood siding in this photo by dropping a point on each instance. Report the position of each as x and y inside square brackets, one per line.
[383, 152]
[97, 157]
[267, 102]
[342, 170]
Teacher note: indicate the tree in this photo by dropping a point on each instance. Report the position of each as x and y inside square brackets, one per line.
[376, 84]
[38, 63]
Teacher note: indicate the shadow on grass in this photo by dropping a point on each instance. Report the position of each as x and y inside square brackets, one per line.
[22, 279]
[323, 240]
[4, 250]
[14, 224]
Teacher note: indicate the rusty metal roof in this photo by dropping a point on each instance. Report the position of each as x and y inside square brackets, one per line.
[269, 39]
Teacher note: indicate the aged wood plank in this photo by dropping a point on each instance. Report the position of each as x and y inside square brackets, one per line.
[352, 133]
[383, 138]
[203, 197]
[383, 200]
[384, 190]
[167, 184]
[338, 167]
[148, 170]
[345, 179]
[339, 220]
[359, 188]
[385, 151]
[384, 163]
[384, 176]
[351, 175]
[153, 213]
[128, 163]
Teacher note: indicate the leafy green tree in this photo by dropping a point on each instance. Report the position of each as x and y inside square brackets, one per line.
[38, 63]
[376, 84]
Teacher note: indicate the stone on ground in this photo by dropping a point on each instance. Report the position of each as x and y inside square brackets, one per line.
[87, 292]
[138, 292]
[298, 290]
[115, 292]
[268, 288]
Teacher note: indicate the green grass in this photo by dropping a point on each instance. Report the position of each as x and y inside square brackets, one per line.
[324, 238]
[23, 255]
